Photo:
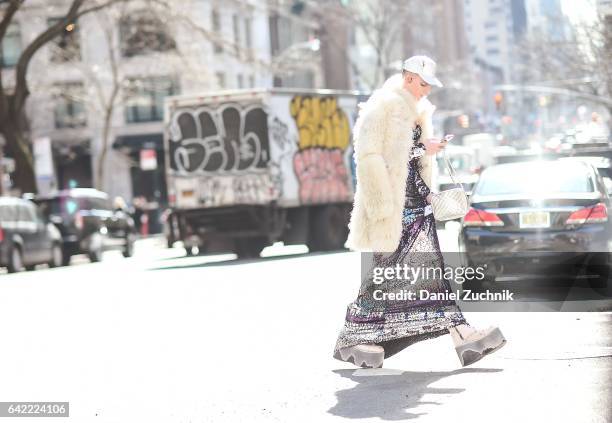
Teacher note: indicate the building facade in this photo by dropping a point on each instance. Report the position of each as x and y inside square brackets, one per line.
[490, 30]
[97, 92]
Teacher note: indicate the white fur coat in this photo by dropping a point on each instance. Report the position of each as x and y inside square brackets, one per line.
[382, 144]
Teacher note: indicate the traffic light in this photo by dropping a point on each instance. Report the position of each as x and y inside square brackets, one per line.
[464, 121]
[498, 98]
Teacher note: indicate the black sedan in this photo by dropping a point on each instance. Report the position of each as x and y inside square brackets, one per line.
[545, 214]
[88, 223]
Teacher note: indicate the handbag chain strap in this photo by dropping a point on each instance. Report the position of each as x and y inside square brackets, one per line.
[451, 170]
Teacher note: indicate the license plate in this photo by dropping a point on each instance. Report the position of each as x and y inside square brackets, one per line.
[534, 219]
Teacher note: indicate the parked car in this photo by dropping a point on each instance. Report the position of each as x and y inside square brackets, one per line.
[26, 239]
[534, 214]
[88, 223]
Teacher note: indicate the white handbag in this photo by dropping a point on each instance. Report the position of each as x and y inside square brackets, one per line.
[451, 203]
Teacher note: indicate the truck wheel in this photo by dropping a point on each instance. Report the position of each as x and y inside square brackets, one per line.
[250, 247]
[328, 228]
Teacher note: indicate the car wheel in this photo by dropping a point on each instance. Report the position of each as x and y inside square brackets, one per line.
[95, 255]
[95, 248]
[128, 249]
[597, 266]
[16, 260]
[66, 258]
[250, 247]
[473, 284]
[30, 267]
[57, 256]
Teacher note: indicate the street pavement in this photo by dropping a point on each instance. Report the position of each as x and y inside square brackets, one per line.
[161, 337]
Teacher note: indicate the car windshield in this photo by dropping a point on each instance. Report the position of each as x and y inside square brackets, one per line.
[535, 178]
[65, 205]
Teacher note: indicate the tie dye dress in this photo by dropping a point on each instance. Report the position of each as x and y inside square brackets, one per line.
[398, 323]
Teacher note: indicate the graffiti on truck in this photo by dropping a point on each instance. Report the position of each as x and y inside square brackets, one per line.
[244, 189]
[285, 146]
[228, 148]
[231, 138]
[324, 135]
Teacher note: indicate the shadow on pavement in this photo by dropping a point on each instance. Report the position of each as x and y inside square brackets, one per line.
[389, 394]
[232, 262]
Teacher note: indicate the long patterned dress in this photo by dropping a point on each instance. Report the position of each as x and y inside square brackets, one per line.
[396, 324]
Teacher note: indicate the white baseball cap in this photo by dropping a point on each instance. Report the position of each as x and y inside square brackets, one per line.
[424, 67]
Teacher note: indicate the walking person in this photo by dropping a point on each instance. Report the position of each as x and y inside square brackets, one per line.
[392, 217]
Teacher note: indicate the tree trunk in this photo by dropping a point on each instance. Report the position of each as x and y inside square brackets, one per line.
[104, 151]
[17, 145]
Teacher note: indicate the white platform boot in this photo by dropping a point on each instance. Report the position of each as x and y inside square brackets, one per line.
[472, 344]
[363, 355]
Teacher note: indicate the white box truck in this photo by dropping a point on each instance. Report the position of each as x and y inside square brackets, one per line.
[247, 168]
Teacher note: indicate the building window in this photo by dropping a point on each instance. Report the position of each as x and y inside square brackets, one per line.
[236, 26]
[493, 51]
[216, 26]
[248, 24]
[142, 32]
[69, 107]
[252, 81]
[145, 98]
[66, 47]
[11, 46]
[240, 80]
[490, 24]
[248, 36]
[220, 79]
[492, 38]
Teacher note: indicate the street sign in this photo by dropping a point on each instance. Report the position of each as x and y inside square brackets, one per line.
[148, 159]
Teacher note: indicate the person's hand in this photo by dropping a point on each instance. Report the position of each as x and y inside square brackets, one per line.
[434, 145]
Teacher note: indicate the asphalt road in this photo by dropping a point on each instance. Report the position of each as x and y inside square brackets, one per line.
[163, 337]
